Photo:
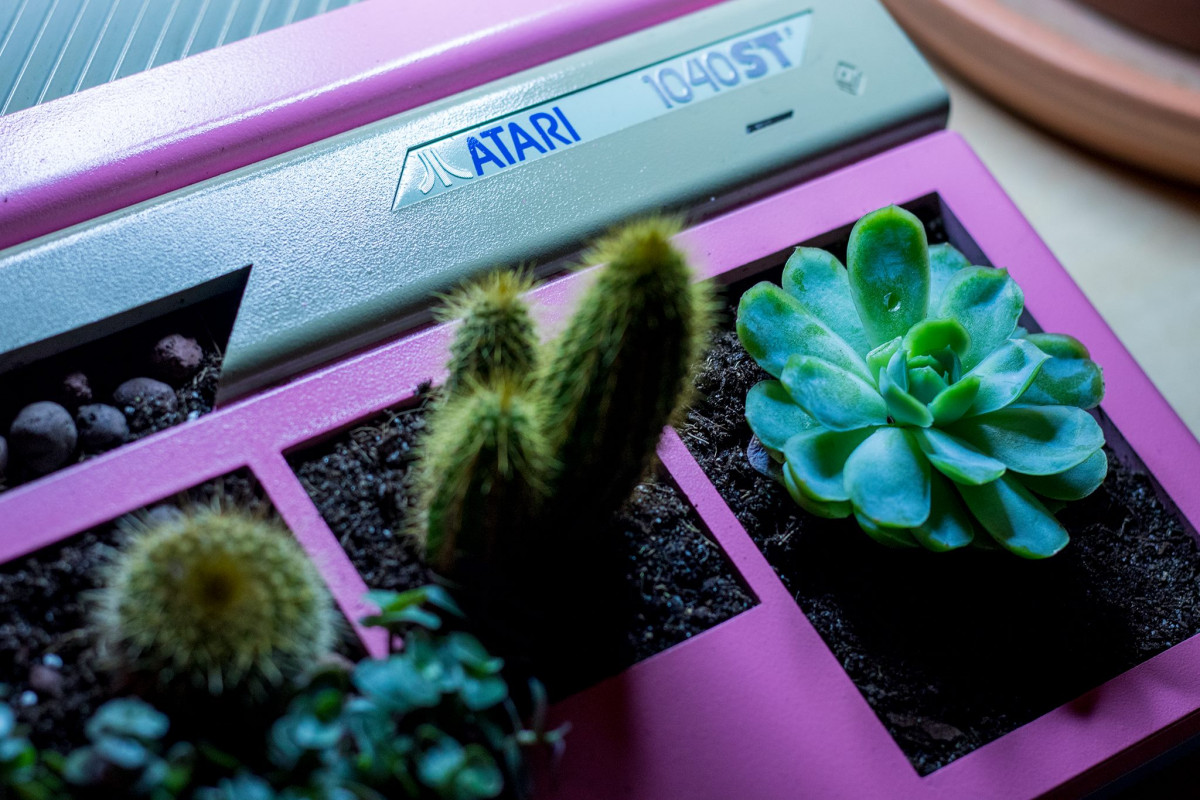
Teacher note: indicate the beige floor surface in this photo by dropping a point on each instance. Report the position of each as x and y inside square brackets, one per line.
[1129, 239]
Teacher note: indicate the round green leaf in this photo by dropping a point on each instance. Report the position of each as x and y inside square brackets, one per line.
[1015, 518]
[952, 403]
[820, 282]
[987, 302]
[1067, 382]
[817, 458]
[1059, 345]
[811, 504]
[957, 460]
[902, 406]
[1035, 440]
[882, 355]
[925, 383]
[837, 399]
[944, 264]
[889, 537]
[932, 335]
[949, 525]
[888, 259]
[1074, 484]
[1004, 375]
[773, 415]
[773, 326]
[888, 479]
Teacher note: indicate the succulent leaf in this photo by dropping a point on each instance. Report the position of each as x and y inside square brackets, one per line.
[817, 459]
[988, 303]
[925, 383]
[836, 398]
[1015, 518]
[1069, 377]
[774, 416]
[820, 282]
[881, 356]
[887, 477]
[885, 535]
[954, 402]
[888, 261]
[957, 460]
[944, 263]
[811, 504]
[949, 526]
[773, 327]
[1035, 440]
[934, 335]
[902, 407]
[1004, 375]
[1075, 483]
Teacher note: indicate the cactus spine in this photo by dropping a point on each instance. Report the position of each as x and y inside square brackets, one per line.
[621, 368]
[215, 598]
[486, 463]
[496, 335]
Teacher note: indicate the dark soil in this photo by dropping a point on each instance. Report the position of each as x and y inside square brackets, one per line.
[678, 581]
[47, 659]
[955, 650]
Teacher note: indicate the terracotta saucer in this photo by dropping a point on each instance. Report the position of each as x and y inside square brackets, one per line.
[1073, 70]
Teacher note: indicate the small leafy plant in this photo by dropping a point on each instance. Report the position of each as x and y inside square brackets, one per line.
[214, 598]
[525, 437]
[906, 395]
[434, 720]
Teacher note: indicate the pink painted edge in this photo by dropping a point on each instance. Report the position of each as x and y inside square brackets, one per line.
[776, 705]
[117, 144]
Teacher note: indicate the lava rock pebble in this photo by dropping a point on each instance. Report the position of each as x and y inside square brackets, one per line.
[101, 427]
[76, 390]
[137, 391]
[42, 437]
[176, 358]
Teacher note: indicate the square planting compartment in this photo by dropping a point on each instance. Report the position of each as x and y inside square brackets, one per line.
[758, 706]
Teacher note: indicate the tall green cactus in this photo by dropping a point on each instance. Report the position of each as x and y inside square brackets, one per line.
[485, 468]
[515, 448]
[620, 369]
[496, 334]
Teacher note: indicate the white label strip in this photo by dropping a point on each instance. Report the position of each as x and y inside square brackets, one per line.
[600, 109]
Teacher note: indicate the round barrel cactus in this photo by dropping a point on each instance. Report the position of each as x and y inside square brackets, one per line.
[905, 394]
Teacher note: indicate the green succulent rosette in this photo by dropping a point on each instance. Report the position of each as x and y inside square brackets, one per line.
[906, 395]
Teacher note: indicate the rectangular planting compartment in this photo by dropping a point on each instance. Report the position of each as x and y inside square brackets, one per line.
[48, 659]
[954, 650]
[170, 350]
[676, 583]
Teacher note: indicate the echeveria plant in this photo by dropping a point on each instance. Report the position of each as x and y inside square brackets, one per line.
[906, 394]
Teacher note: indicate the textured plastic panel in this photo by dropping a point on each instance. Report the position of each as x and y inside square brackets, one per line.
[53, 48]
[335, 267]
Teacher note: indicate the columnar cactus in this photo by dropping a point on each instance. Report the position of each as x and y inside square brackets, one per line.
[485, 469]
[905, 394]
[214, 598]
[514, 444]
[621, 368]
[496, 334]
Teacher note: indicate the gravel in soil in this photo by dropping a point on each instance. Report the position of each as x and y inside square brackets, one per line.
[47, 659]
[679, 581]
[955, 650]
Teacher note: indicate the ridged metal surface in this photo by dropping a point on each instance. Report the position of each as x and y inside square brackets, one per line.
[52, 48]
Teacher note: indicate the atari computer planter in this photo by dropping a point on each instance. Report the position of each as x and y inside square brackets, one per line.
[773, 124]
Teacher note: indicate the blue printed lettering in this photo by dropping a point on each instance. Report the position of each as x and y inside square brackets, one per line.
[480, 155]
[494, 135]
[743, 53]
[522, 141]
[771, 41]
[550, 131]
[571, 130]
